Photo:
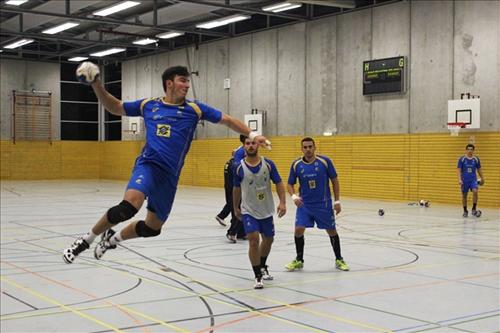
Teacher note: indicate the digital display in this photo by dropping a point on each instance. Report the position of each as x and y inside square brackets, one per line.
[384, 76]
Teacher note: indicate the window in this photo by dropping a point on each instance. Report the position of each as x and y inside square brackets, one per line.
[79, 107]
[80, 111]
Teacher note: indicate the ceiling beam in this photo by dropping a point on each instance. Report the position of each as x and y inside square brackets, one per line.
[350, 4]
[75, 40]
[246, 9]
[162, 27]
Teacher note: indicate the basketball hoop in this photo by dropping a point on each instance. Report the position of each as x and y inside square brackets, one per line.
[455, 128]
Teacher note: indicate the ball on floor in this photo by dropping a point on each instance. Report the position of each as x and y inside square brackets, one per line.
[381, 212]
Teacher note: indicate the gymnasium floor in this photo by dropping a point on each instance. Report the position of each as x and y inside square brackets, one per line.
[413, 270]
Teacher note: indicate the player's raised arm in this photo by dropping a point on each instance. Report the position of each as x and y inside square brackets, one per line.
[237, 126]
[88, 73]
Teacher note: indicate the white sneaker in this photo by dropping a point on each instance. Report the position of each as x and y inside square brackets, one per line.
[221, 221]
[104, 244]
[265, 273]
[258, 283]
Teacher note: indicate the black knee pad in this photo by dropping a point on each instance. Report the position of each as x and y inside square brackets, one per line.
[142, 230]
[121, 212]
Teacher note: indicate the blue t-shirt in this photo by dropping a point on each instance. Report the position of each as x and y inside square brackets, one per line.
[469, 167]
[314, 179]
[273, 172]
[169, 129]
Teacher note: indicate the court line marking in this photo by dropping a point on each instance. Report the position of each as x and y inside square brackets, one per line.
[120, 307]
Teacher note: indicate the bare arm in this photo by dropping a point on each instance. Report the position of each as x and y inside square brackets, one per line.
[237, 126]
[280, 189]
[110, 102]
[480, 172]
[296, 199]
[336, 194]
[459, 175]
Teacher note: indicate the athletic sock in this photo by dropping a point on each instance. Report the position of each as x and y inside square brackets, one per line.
[256, 271]
[89, 237]
[116, 238]
[299, 247]
[474, 206]
[263, 261]
[335, 240]
[465, 208]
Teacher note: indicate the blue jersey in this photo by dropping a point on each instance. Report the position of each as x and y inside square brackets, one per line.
[314, 180]
[169, 129]
[273, 172]
[468, 167]
[239, 154]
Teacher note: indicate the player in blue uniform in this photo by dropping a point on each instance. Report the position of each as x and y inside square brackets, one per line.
[252, 184]
[467, 167]
[314, 202]
[170, 126]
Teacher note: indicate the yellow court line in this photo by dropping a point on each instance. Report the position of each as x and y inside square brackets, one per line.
[185, 292]
[122, 307]
[245, 292]
[50, 300]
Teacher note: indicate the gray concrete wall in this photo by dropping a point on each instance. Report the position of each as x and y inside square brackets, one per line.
[27, 75]
[308, 76]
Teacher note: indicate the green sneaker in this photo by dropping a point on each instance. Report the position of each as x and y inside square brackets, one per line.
[296, 264]
[340, 264]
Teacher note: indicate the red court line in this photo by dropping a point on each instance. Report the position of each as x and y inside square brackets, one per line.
[287, 306]
[137, 322]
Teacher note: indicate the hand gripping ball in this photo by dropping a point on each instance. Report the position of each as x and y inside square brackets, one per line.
[87, 72]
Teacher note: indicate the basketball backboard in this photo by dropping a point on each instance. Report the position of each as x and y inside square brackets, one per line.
[465, 111]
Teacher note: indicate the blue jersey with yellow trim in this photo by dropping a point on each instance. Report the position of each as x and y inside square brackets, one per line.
[469, 167]
[314, 179]
[169, 129]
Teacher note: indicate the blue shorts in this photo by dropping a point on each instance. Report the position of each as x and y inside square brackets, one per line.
[469, 185]
[264, 226]
[158, 186]
[307, 216]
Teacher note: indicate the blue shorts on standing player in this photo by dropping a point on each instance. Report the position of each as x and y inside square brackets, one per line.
[469, 186]
[263, 226]
[307, 216]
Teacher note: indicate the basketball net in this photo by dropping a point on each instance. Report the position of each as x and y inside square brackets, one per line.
[455, 128]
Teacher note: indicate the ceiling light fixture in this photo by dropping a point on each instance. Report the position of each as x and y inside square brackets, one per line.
[222, 21]
[280, 7]
[169, 34]
[60, 27]
[19, 43]
[107, 52]
[145, 41]
[15, 2]
[116, 8]
[78, 59]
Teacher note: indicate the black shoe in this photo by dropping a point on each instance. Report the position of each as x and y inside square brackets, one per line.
[78, 246]
[231, 238]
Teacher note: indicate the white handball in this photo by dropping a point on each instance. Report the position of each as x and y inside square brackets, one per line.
[87, 72]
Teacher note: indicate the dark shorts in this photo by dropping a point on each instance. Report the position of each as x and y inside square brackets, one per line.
[322, 216]
[158, 186]
[264, 226]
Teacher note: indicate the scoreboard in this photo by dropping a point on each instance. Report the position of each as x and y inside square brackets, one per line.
[384, 76]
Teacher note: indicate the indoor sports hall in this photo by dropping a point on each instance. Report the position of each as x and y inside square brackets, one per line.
[402, 97]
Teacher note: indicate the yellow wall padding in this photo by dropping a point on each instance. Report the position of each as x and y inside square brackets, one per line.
[388, 167]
